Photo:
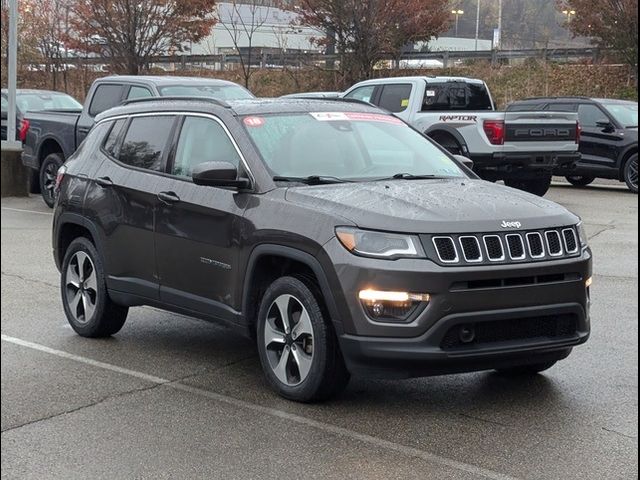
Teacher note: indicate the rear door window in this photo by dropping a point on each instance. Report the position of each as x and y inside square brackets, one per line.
[362, 93]
[395, 97]
[146, 141]
[590, 115]
[138, 92]
[459, 96]
[106, 96]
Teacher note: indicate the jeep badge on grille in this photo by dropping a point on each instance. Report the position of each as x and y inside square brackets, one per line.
[506, 224]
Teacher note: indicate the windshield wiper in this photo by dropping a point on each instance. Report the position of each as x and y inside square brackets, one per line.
[311, 179]
[410, 176]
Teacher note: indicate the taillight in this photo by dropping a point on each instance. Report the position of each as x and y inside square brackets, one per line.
[494, 129]
[59, 177]
[24, 128]
[578, 132]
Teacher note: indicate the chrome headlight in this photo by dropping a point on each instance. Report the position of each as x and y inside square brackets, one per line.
[582, 235]
[390, 246]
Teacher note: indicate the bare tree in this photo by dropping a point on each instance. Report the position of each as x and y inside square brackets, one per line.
[242, 20]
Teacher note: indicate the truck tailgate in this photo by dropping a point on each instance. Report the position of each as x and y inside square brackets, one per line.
[541, 131]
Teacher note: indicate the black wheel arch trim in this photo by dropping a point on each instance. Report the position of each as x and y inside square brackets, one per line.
[58, 142]
[67, 218]
[299, 256]
[449, 130]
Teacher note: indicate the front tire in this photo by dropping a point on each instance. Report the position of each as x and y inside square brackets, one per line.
[631, 173]
[537, 186]
[48, 173]
[89, 309]
[580, 180]
[297, 346]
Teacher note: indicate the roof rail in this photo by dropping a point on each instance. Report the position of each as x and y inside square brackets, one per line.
[340, 99]
[558, 98]
[215, 101]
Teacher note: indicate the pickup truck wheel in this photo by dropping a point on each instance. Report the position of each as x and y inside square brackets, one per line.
[297, 346]
[525, 370]
[631, 173]
[48, 172]
[87, 305]
[580, 180]
[537, 186]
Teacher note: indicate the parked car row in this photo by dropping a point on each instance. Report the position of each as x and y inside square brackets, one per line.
[579, 138]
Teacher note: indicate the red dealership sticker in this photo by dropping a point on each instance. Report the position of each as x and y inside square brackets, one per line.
[253, 121]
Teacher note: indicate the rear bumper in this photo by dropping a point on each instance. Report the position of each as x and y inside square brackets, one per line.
[30, 161]
[522, 164]
[426, 355]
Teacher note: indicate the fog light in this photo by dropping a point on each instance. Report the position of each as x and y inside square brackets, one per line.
[588, 282]
[391, 306]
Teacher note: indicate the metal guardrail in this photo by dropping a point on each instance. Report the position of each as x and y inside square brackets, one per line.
[271, 57]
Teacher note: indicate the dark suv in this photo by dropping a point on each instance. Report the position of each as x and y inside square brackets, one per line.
[341, 239]
[609, 138]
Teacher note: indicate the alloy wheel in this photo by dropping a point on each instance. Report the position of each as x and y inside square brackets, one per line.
[632, 172]
[49, 184]
[288, 340]
[81, 287]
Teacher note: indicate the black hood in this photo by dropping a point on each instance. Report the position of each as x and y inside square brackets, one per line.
[432, 206]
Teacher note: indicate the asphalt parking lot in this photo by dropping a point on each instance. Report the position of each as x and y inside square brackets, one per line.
[172, 397]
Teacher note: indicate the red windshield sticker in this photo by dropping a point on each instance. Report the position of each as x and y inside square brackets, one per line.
[253, 121]
[373, 117]
[355, 117]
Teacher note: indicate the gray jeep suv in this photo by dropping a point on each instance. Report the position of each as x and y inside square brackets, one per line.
[341, 239]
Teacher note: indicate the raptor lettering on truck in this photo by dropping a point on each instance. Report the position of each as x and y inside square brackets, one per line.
[458, 118]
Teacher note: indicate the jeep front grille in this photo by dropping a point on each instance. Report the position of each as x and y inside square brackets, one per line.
[502, 247]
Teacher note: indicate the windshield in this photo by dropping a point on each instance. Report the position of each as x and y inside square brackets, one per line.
[626, 114]
[220, 92]
[346, 145]
[46, 101]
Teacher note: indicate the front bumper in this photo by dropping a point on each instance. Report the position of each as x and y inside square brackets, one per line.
[415, 347]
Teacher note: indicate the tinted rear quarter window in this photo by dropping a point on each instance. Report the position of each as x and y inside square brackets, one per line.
[395, 98]
[105, 97]
[146, 141]
[111, 143]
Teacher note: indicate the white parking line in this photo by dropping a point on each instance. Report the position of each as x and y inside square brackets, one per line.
[26, 211]
[322, 426]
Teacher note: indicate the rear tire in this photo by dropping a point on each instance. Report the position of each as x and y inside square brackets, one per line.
[89, 309]
[297, 346]
[526, 370]
[580, 180]
[631, 173]
[48, 172]
[537, 186]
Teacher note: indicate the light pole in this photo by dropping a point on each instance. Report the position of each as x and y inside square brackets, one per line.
[569, 14]
[477, 23]
[457, 13]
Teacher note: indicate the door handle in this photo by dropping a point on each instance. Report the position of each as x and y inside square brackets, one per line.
[168, 197]
[104, 182]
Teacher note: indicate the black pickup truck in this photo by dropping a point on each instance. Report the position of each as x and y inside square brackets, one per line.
[53, 136]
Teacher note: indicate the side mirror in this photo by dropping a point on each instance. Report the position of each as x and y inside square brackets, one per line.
[466, 161]
[218, 174]
[605, 125]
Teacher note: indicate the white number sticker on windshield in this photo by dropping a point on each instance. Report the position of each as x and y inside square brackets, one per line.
[355, 117]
